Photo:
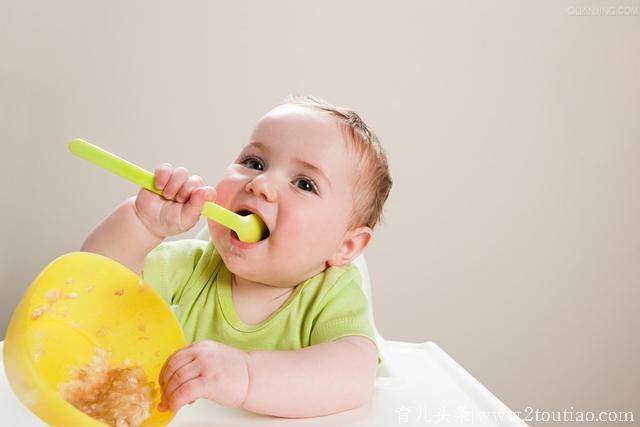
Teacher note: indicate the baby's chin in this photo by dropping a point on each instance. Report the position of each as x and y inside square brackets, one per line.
[258, 269]
[258, 264]
[247, 264]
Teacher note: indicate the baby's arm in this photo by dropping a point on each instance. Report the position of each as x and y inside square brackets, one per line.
[123, 237]
[318, 380]
[321, 379]
[140, 223]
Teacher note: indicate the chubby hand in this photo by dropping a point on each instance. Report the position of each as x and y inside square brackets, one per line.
[205, 369]
[179, 209]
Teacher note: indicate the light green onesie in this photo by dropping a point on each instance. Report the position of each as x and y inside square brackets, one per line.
[190, 274]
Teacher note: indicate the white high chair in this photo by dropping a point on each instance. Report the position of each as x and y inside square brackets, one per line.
[416, 384]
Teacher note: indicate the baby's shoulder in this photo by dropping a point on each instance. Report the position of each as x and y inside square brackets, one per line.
[343, 274]
[333, 280]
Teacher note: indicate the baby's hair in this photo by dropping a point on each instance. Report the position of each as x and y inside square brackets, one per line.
[373, 182]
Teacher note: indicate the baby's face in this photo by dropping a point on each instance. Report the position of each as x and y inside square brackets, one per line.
[297, 174]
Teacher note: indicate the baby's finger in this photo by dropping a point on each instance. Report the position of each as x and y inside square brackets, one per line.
[184, 374]
[177, 179]
[191, 390]
[175, 361]
[147, 200]
[211, 194]
[194, 181]
[188, 348]
[193, 208]
[162, 175]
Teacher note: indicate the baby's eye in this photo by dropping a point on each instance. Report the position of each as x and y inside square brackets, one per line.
[305, 184]
[252, 163]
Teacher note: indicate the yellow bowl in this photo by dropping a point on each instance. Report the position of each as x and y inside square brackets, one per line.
[77, 303]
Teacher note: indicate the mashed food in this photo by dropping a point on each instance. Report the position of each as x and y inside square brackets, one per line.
[119, 397]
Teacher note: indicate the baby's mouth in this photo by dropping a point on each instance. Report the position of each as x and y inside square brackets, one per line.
[265, 234]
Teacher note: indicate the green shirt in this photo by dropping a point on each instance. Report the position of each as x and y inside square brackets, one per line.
[190, 275]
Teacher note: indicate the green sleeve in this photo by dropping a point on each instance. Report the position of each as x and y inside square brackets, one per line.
[344, 312]
[169, 266]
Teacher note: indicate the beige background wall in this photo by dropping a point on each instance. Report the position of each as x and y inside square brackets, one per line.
[512, 234]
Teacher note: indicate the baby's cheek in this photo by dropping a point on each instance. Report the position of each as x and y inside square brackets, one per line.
[224, 192]
[309, 227]
[298, 222]
[215, 230]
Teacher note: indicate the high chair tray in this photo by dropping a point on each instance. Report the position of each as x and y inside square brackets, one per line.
[426, 387]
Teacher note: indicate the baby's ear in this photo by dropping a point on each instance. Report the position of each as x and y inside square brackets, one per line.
[355, 241]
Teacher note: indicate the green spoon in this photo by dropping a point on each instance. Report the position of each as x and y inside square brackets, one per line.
[250, 228]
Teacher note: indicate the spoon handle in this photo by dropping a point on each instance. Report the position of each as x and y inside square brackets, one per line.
[142, 177]
[113, 163]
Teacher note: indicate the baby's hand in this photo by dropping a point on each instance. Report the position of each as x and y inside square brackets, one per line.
[206, 369]
[164, 217]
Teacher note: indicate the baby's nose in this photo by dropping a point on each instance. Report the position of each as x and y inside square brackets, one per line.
[263, 187]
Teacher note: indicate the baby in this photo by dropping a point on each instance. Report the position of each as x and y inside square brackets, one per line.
[278, 327]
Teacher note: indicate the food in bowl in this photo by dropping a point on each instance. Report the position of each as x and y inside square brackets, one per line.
[116, 396]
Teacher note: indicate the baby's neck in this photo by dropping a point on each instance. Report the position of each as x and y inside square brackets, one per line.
[258, 291]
